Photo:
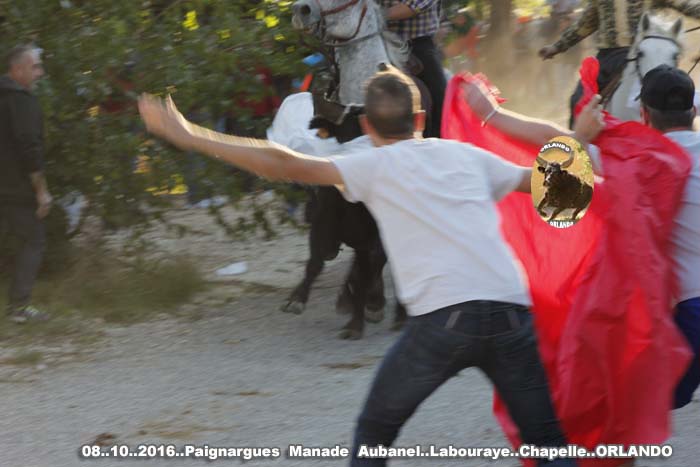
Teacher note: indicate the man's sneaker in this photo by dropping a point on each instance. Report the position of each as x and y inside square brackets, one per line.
[28, 313]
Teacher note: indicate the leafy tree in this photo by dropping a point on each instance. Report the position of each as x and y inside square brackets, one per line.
[100, 54]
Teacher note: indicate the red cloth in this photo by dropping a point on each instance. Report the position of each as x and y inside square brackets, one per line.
[602, 289]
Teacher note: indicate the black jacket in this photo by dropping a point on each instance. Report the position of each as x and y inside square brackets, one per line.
[21, 143]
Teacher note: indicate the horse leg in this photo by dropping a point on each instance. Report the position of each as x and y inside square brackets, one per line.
[358, 281]
[296, 303]
[374, 311]
[343, 304]
[326, 223]
[375, 302]
[400, 317]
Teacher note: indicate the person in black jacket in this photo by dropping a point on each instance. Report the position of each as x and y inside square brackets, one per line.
[24, 196]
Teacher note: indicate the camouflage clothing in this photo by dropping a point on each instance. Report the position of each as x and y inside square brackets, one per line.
[616, 21]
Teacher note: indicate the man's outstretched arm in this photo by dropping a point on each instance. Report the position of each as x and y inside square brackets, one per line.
[260, 157]
[532, 130]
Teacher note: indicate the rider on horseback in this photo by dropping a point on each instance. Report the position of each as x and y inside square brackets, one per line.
[616, 22]
[417, 22]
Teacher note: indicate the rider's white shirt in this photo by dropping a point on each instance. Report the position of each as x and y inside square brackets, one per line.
[686, 232]
[435, 204]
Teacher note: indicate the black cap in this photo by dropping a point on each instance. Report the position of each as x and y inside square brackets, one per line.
[667, 89]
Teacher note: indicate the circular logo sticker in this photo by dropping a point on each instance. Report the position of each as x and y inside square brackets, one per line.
[562, 182]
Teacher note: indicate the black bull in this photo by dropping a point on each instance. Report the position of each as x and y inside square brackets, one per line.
[564, 190]
[335, 221]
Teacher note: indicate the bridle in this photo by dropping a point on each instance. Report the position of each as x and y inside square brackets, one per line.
[326, 102]
[639, 54]
[336, 41]
[610, 89]
[697, 28]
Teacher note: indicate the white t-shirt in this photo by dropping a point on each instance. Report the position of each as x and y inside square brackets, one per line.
[434, 202]
[686, 231]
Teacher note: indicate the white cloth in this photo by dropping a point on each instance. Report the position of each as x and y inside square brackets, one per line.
[434, 203]
[686, 232]
[290, 127]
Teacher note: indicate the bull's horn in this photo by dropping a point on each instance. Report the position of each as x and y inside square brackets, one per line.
[569, 161]
[541, 162]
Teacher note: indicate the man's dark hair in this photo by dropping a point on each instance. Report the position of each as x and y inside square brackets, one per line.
[391, 100]
[666, 120]
[16, 53]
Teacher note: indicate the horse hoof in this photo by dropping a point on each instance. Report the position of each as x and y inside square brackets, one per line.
[375, 306]
[374, 316]
[343, 305]
[350, 334]
[296, 308]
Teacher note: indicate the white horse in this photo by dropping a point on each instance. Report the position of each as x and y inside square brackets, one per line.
[657, 43]
[356, 31]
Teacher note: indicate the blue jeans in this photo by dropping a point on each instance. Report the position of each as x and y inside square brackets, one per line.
[497, 338]
[688, 320]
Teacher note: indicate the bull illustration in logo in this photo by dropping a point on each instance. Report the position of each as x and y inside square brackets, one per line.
[563, 189]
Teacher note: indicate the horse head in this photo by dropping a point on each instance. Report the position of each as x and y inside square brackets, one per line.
[356, 31]
[332, 20]
[657, 43]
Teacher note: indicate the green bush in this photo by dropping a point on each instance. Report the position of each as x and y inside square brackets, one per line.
[100, 54]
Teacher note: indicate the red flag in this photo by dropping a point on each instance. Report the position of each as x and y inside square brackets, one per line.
[603, 288]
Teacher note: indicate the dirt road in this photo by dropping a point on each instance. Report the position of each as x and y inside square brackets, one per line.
[243, 375]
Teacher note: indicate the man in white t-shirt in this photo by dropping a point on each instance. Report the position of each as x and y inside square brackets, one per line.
[667, 97]
[435, 204]
[667, 104]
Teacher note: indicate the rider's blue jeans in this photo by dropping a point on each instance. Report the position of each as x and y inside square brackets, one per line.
[497, 338]
[688, 320]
